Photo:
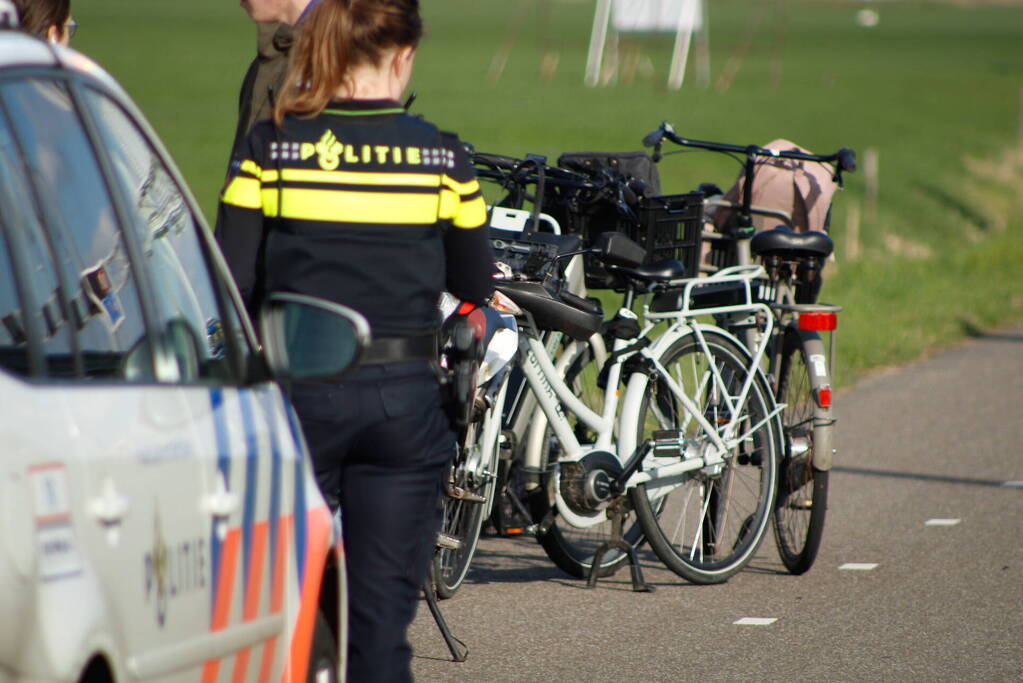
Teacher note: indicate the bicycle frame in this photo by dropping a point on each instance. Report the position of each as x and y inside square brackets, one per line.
[555, 396]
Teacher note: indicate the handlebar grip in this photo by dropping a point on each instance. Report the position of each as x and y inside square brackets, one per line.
[847, 159]
[654, 137]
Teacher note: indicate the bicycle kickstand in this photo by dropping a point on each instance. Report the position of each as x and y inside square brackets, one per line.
[616, 512]
[459, 650]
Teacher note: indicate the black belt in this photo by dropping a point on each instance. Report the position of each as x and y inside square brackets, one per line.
[400, 350]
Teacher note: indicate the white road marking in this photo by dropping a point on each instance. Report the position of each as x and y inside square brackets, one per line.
[755, 621]
[1013, 484]
[859, 566]
[942, 522]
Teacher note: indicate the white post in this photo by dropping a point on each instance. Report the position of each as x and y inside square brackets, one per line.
[703, 47]
[683, 37]
[598, 38]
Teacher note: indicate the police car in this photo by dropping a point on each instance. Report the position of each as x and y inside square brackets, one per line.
[158, 514]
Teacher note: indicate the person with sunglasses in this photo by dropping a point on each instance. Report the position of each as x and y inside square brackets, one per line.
[50, 19]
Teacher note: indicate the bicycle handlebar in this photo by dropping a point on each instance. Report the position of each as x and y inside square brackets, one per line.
[527, 171]
[844, 158]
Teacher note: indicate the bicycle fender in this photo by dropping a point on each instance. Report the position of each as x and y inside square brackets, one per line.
[815, 359]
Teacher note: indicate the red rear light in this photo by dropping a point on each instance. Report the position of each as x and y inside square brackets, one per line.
[824, 397]
[818, 321]
[466, 308]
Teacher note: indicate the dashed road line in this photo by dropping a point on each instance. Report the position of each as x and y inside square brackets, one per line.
[942, 522]
[859, 566]
[755, 621]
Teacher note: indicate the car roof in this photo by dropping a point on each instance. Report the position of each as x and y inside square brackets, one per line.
[20, 49]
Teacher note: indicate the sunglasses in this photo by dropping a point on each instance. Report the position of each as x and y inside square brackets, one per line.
[71, 27]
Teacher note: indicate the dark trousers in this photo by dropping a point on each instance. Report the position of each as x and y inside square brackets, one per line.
[381, 443]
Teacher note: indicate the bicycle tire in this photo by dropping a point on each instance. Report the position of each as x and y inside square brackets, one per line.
[463, 519]
[572, 549]
[324, 658]
[801, 505]
[709, 525]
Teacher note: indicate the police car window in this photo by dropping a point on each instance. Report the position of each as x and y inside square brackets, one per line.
[187, 302]
[13, 339]
[69, 198]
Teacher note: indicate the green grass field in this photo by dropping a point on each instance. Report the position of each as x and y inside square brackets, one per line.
[935, 89]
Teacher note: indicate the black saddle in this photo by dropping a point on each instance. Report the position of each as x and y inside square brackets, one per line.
[783, 241]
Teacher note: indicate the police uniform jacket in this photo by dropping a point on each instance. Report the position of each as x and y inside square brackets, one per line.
[363, 205]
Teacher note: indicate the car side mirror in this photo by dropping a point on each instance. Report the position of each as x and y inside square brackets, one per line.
[306, 337]
[615, 249]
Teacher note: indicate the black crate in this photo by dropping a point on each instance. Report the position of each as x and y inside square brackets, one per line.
[669, 227]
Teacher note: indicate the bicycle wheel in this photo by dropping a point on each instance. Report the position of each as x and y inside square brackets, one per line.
[571, 548]
[706, 524]
[463, 518]
[802, 501]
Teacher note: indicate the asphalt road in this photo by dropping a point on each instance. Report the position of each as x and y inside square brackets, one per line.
[927, 493]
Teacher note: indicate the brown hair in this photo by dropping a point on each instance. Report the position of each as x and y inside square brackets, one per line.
[36, 16]
[336, 36]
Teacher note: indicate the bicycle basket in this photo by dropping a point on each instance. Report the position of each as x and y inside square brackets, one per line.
[669, 228]
[636, 165]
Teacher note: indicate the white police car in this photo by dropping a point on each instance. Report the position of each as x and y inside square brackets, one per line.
[158, 514]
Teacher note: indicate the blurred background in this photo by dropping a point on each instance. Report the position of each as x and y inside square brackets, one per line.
[929, 230]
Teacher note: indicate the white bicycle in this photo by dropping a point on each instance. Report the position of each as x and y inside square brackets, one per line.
[691, 460]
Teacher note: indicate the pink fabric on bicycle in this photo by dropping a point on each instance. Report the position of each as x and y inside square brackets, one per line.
[803, 189]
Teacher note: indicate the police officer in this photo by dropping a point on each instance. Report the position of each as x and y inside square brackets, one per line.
[345, 196]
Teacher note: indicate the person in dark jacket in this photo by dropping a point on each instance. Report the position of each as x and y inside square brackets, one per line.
[345, 196]
[277, 23]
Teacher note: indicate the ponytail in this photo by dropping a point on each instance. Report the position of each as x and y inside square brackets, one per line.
[336, 36]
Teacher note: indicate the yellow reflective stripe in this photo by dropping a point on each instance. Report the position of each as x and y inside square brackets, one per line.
[250, 166]
[449, 202]
[308, 175]
[352, 207]
[270, 197]
[461, 188]
[471, 214]
[242, 191]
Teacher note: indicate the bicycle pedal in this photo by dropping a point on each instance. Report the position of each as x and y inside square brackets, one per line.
[448, 542]
[458, 493]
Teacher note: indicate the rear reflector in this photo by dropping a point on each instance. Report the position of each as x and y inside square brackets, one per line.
[824, 397]
[818, 321]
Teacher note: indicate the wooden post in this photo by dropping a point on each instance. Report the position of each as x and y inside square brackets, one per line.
[870, 173]
[852, 232]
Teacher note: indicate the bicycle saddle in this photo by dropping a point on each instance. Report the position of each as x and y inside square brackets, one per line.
[562, 311]
[659, 271]
[784, 241]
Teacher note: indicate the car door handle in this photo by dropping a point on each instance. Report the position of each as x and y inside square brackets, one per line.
[111, 507]
[221, 503]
